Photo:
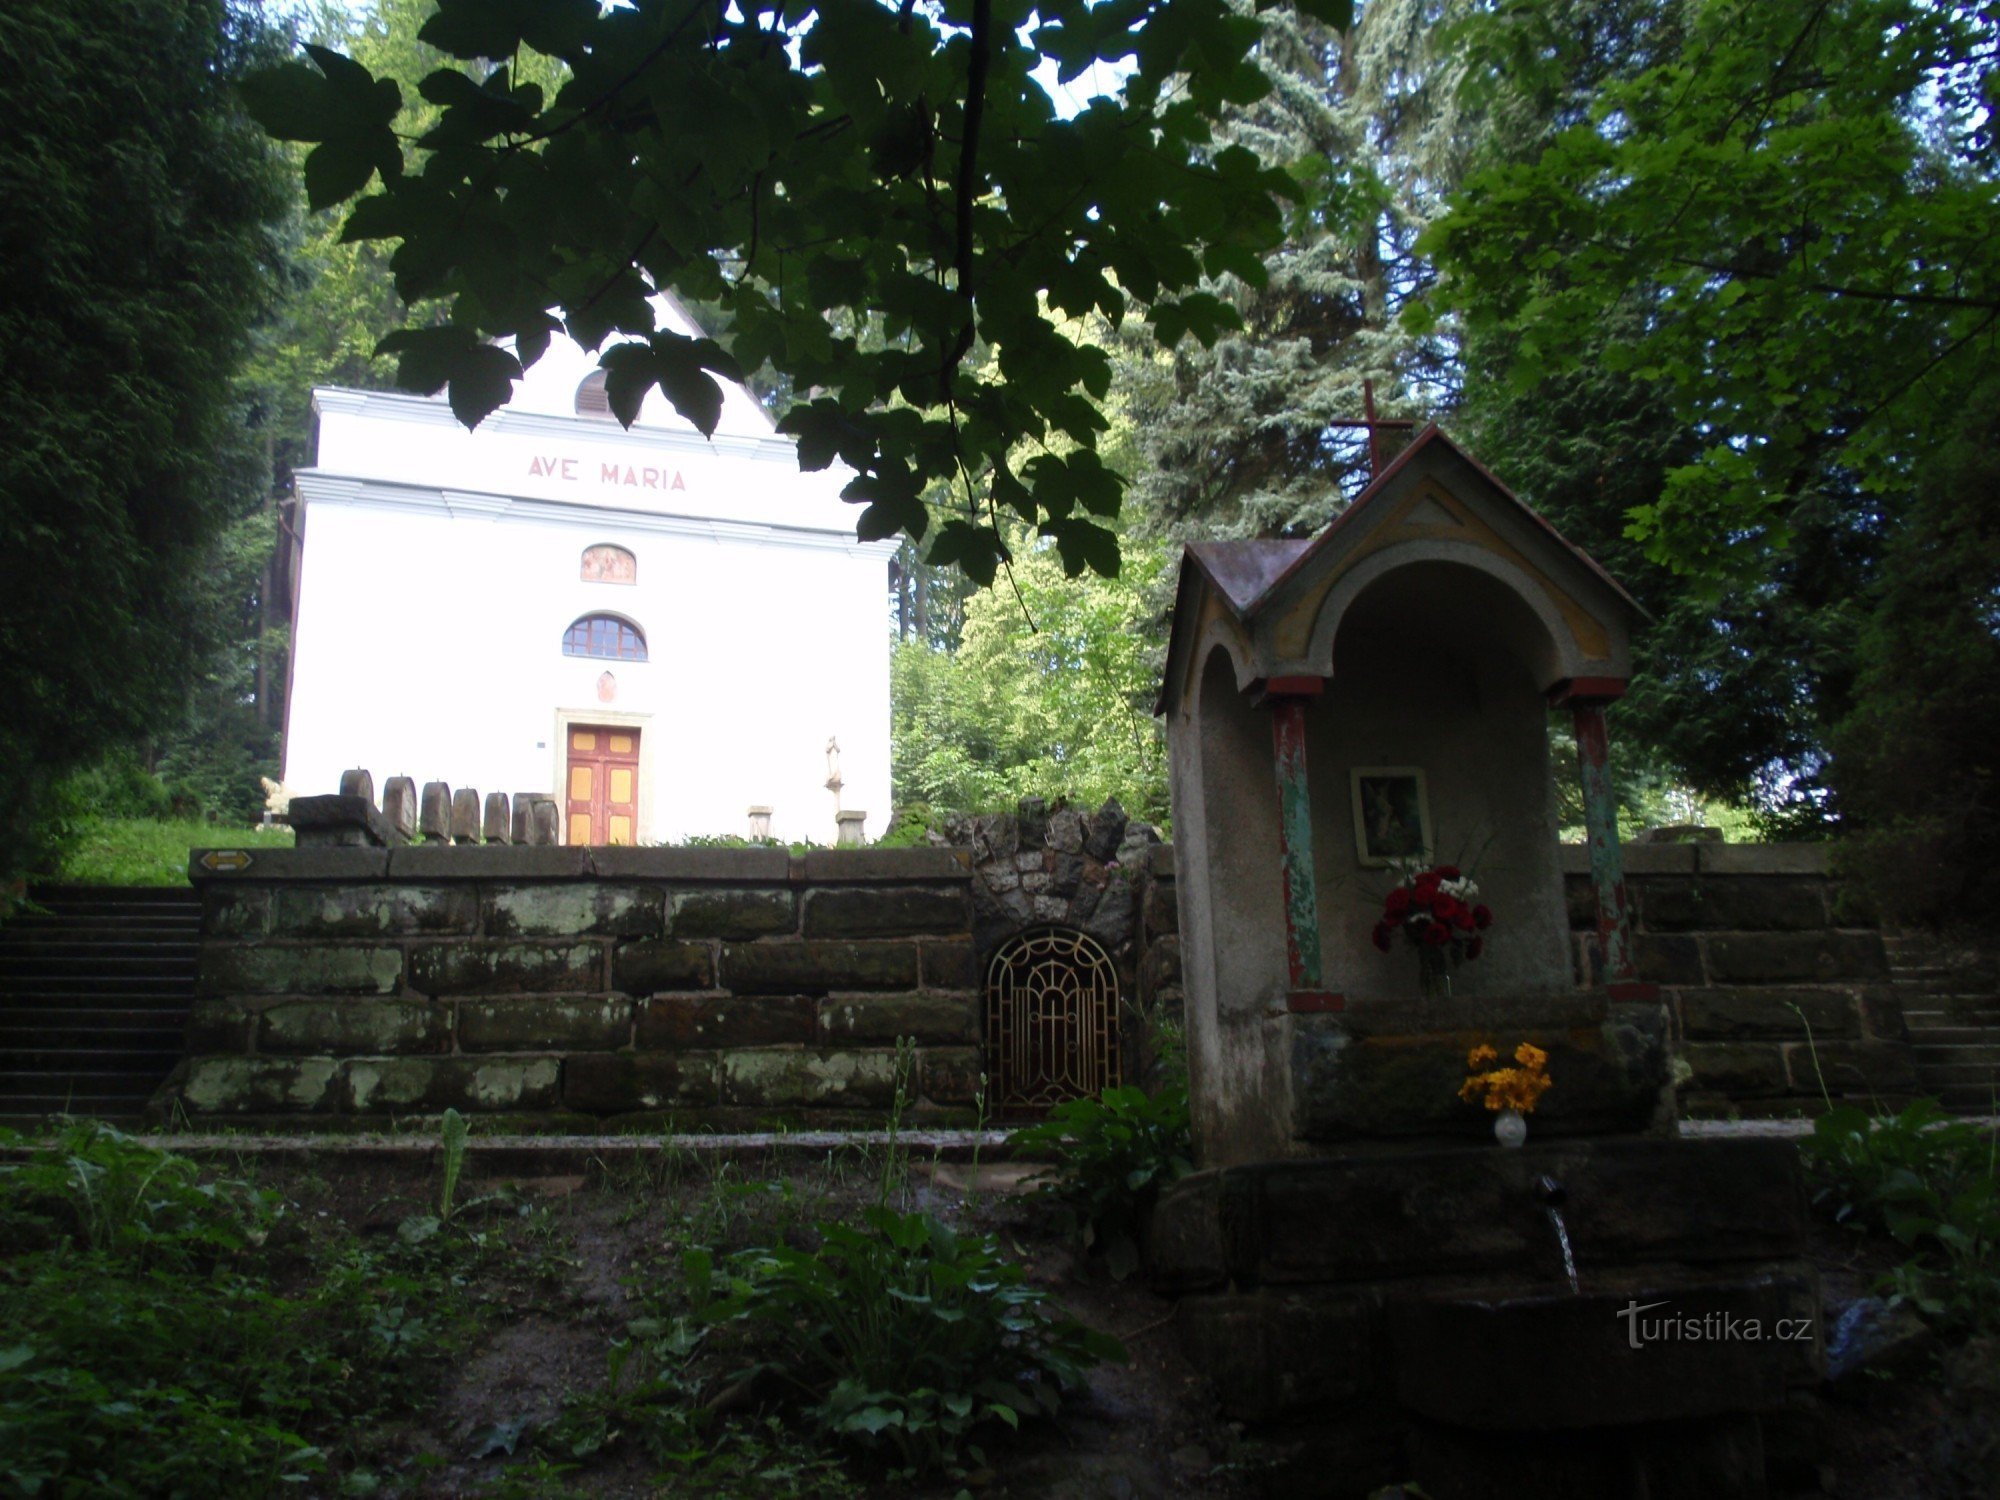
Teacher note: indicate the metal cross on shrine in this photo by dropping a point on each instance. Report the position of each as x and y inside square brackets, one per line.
[1374, 424]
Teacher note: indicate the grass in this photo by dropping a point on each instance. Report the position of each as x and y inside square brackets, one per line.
[140, 851]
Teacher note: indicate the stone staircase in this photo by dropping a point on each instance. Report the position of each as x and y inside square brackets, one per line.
[1951, 1003]
[94, 996]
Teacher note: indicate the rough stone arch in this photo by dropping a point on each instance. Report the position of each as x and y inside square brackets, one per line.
[1051, 1020]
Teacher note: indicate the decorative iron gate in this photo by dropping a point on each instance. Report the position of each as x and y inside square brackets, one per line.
[1051, 1020]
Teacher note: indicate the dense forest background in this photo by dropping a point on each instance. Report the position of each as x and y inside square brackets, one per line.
[1710, 284]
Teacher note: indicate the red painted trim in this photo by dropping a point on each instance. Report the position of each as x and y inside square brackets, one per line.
[1294, 687]
[1314, 1002]
[1575, 691]
[1633, 990]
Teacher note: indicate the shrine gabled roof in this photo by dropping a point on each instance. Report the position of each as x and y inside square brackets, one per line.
[1247, 576]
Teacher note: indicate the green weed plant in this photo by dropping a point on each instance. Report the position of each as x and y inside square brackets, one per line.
[1113, 1155]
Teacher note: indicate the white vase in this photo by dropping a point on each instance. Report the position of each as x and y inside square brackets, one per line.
[1510, 1128]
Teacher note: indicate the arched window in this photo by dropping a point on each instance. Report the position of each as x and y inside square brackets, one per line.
[605, 563]
[591, 399]
[606, 636]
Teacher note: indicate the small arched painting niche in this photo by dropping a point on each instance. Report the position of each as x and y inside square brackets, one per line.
[605, 563]
[1051, 1020]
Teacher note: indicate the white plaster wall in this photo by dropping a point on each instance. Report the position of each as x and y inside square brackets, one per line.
[440, 570]
[431, 646]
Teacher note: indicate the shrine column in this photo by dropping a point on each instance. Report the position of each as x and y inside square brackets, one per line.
[1286, 698]
[1586, 698]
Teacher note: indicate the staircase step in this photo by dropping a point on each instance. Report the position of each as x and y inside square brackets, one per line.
[28, 1111]
[56, 985]
[89, 965]
[97, 1083]
[1967, 1054]
[71, 1062]
[1954, 1036]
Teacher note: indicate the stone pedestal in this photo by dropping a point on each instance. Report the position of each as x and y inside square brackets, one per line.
[1404, 1314]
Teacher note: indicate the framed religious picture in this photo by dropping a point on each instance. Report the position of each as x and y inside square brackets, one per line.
[1392, 815]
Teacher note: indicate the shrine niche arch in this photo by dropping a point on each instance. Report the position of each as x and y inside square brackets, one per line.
[1052, 1000]
[1513, 610]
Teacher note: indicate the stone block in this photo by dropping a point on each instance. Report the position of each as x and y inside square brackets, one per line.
[785, 1078]
[316, 970]
[545, 1023]
[1065, 833]
[1796, 957]
[1671, 960]
[952, 1076]
[1856, 1069]
[1031, 816]
[1117, 914]
[582, 910]
[389, 1085]
[548, 821]
[260, 865]
[399, 806]
[733, 913]
[465, 816]
[343, 1027]
[1158, 857]
[1160, 969]
[500, 968]
[679, 1023]
[1734, 903]
[645, 968]
[949, 966]
[946, 1017]
[887, 911]
[235, 911]
[522, 830]
[1763, 859]
[1882, 1013]
[1161, 910]
[1742, 1070]
[1718, 1457]
[434, 811]
[341, 822]
[218, 1026]
[1107, 831]
[497, 826]
[489, 861]
[816, 967]
[1586, 1372]
[1346, 1086]
[1276, 1356]
[1184, 1242]
[1066, 876]
[372, 910]
[257, 1085]
[844, 866]
[1730, 1013]
[763, 866]
[610, 1083]
[357, 782]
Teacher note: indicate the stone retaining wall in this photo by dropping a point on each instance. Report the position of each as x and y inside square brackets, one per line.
[722, 983]
[1779, 994]
[1760, 965]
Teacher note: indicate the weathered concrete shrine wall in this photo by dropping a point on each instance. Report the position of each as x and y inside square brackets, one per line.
[603, 982]
[1762, 969]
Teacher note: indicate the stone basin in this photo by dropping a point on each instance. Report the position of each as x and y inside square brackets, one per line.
[1646, 1351]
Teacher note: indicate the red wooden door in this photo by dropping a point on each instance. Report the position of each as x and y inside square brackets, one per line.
[603, 790]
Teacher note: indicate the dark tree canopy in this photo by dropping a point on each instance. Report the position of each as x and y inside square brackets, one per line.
[782, 162]
[135, 256]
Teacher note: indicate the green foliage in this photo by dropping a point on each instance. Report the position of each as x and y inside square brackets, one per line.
[902, 167]
[1797, 204]
[1113, 1155]
[904, 1337]
[1918, 754]
[132, 288]
[1930, 1183]
[146, 851]
[1050, 690]
[142, 1356]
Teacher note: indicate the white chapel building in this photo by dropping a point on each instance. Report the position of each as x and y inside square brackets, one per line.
[663, 631]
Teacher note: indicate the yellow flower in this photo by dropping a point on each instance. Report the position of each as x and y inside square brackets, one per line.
[1480, 1055]
[1530, 1056]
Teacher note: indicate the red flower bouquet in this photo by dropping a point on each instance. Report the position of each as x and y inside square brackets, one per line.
[1437, 909]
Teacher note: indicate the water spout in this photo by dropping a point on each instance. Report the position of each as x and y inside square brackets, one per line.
[1552, 1195]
